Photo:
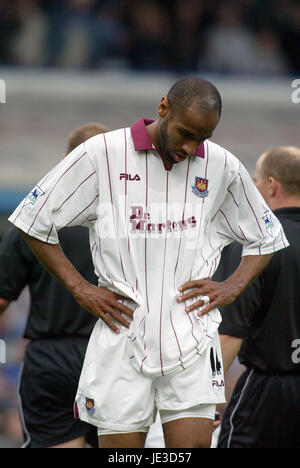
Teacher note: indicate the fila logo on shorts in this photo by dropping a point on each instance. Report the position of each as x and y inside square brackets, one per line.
[216, 369]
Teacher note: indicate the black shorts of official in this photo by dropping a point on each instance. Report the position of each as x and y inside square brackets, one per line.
[264, 412]
[48, 384]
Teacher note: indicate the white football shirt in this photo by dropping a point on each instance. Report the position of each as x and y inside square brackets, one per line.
[152, 228]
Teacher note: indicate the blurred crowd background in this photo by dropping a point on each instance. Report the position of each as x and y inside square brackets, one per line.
[11, 329]
[246, 38]
[174, 35]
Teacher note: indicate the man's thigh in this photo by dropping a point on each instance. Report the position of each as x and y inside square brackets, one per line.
[123, 440]
[185, 432]
[188, 433]
[189, 428]
[180, 433]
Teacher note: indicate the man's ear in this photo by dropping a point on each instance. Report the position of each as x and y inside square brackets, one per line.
[164, 107]
[273, 186]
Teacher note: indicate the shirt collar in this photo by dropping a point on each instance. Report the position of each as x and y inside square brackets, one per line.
[287, 210]
[142, 142]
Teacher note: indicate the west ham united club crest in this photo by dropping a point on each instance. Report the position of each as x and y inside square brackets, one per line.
[201, 187]
[90, 405]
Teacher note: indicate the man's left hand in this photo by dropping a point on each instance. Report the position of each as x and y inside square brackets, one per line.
[221, 294]
[218, 294]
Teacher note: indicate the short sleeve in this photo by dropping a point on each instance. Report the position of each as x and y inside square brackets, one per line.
[237, 317]
[67, 196]
[15, 262]
[245, 217]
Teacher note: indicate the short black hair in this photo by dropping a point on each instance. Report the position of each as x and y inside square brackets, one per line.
[194, 90]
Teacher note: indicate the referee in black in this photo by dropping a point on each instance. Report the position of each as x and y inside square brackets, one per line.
[263, 324]
[58, 336]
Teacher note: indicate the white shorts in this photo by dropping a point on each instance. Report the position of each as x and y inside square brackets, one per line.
[114, 396]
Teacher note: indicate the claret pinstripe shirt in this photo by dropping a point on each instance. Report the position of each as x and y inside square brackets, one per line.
[152, 228]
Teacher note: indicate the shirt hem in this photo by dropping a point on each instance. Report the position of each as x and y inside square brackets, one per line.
[201, 401]
[33, 233]
[265, 250]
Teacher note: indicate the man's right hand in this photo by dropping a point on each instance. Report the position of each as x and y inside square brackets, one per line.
[104, 304]
[100, 302]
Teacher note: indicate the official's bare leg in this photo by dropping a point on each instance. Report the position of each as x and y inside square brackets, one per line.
[76, 444]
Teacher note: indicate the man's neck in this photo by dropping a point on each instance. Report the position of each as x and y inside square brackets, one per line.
[292, 202]
[152, 130]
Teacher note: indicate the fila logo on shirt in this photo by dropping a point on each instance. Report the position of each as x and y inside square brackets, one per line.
[216, 368]
[125, 176]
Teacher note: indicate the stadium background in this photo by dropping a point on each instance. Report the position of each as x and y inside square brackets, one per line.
[66, 63]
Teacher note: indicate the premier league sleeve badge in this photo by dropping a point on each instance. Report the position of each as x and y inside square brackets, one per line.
[268, 222]
[33, 196]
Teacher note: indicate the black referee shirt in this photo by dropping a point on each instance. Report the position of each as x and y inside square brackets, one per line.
[53, 311]
[267, 314]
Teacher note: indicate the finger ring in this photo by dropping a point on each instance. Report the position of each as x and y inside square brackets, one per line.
[205, 299]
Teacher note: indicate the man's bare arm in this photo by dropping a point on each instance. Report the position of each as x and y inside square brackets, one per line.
[3, 305]
[230, 346]
[225, 292]
[98, 301]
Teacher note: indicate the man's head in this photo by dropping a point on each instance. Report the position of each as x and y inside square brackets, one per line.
[83, 133]
[188, 115]
[277, 176]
